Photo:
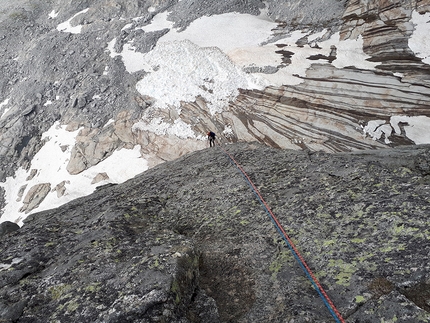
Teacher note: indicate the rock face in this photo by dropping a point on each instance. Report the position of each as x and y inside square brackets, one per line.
[35, 196]
[123, 75]
[188, 242]
[7, 227]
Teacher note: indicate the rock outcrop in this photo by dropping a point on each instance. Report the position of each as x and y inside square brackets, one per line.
[7, 227]
[188, 242]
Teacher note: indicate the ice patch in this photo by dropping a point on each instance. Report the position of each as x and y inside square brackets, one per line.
[419, 42]
[68, 28]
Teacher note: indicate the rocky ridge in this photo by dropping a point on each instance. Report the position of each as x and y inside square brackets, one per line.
[347, 75]
[188, 242]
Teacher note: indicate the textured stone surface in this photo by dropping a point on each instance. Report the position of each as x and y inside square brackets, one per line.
[7, 227]
[188, 242]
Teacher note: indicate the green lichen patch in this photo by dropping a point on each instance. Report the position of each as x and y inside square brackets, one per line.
[281, 260]
[59, 291]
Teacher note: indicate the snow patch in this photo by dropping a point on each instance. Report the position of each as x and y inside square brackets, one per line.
[228, 31]
[377, 128]
[109, 122]
[349, 53]
[133, 61]
[51, 162]
[416, 128]
[228, 131]
[128, 26]
[3, 104]
[419, 42]
[53, 14]
[157, 126]
[159, 22]
[68, 28]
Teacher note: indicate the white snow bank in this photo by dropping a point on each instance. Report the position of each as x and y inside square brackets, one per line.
[68, 28]
[238, 35]
[51, 162]
[419, 42]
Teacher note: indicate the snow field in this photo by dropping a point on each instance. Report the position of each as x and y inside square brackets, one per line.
[51, 162]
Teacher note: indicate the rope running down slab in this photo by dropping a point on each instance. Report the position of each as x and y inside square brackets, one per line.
[314, 281]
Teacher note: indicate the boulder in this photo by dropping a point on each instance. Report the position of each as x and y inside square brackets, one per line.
[7, 227]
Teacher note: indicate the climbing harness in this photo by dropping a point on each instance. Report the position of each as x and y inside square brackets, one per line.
[314, 281]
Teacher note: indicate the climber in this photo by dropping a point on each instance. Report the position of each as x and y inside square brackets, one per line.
[211, 138]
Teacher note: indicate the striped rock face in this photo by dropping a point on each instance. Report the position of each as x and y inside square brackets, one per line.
[95, 94]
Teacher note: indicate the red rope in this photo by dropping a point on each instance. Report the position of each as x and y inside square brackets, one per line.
[302, 260]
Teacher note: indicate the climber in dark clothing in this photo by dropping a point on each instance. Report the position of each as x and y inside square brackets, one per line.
[211, 138]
